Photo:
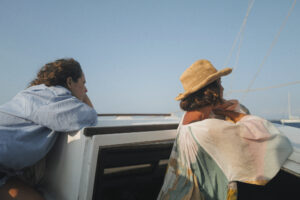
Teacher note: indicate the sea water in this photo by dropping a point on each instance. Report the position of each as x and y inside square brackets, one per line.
[297, 125]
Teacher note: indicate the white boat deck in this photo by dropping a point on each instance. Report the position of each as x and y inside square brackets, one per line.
[292, 165]
[73, 162]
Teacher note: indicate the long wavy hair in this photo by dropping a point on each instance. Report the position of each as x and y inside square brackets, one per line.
[209, 95]
[56, 73]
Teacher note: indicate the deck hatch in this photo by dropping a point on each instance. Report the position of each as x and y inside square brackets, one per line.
[131, 171]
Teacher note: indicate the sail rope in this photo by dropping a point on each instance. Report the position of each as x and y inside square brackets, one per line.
[239, 35]
[239, 38]
[265, 88]
[269, 50]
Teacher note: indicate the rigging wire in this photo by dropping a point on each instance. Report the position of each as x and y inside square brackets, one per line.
[269, 50]
[238, 39]
[265, 88]
[240, 33]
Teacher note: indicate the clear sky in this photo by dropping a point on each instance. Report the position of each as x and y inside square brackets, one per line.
[134, 51]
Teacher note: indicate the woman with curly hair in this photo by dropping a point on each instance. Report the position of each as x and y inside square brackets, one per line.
[217, 143]
[55, 101]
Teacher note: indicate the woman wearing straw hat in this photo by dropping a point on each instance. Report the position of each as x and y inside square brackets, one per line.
[217, 144]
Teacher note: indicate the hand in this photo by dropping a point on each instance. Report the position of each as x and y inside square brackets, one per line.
[219, 111]
[87, 100]
[228, 105]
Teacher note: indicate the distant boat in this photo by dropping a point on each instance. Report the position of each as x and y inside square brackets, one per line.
[292, 120]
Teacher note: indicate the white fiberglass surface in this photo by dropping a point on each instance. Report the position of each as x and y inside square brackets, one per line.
[136, 120]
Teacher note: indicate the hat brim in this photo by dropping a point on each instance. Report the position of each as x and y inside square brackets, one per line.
[204, 83]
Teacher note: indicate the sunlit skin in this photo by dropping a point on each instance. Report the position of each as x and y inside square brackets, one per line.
[13, 192]
[78, 89]
[15, 189]
[204, 112]
[221, 109]
[221, 87]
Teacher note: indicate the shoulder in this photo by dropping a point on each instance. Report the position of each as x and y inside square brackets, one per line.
[252, 120]
[45, 90]
[41, 95]
[210, 126]
[211, 122]
[205, 125]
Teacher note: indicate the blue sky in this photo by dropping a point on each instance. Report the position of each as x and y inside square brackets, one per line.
[134, 51]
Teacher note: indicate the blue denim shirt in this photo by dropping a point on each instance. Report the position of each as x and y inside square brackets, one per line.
[30, 121]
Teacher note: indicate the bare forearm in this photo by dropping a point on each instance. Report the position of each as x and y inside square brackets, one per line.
[234, 116]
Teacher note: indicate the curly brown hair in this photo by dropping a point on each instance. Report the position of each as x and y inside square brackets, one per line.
[57, 72]
[209, 95]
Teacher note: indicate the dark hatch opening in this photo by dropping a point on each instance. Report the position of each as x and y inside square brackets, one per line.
[131, 172]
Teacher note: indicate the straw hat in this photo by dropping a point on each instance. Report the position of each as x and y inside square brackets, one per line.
[199, 75]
